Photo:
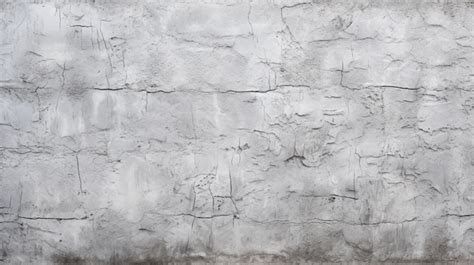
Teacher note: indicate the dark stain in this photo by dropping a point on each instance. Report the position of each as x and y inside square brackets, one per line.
[304, 255]
[68, 258]
[312, 251]
[118, 260]
[132, 260]
[315, 248]
[437, 248]
[4, 255]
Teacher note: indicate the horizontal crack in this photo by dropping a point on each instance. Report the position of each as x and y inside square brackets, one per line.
[229, 91]
[330, 195]
[196, 216]
[458, 215]
[52, 218]
[325, 221]
[397, 87]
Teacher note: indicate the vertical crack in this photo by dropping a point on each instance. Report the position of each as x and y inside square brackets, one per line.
[78, 167]
[342, 74]
[248, 19]
[283, 20]
[193, 122]
[211, 234]
[124, 67]
[20, 201]
[63, 81]
[106, 48]
[146, 101]
[97, 40]
[231, 196]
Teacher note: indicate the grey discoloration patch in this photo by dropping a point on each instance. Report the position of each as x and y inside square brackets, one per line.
[64, 259]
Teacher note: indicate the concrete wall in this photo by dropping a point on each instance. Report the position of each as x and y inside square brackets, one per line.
[236, 131]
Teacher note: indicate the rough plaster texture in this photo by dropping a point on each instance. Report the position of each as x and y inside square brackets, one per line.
[153, 131]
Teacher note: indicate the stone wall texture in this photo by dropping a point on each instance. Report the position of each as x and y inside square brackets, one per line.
[147, 132]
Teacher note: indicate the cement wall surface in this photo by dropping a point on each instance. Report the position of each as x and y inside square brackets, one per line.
[147, 132]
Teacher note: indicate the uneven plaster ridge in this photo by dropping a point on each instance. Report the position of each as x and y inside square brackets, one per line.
[147, 132]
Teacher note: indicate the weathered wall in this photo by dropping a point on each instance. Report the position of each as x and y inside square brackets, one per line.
[136, 131]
